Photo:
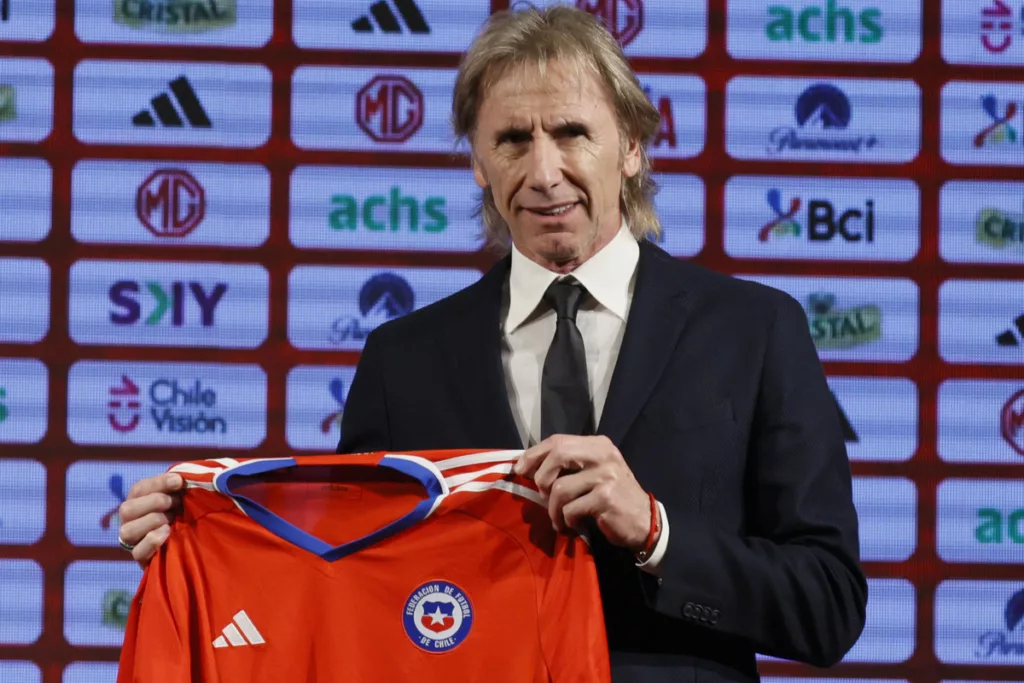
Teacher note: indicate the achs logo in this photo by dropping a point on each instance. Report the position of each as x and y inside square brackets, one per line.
[390, 108]
[999, 229]
[996, 528]
[8, 103]
[3, 407]
[117, 603]
[383, 297]
[394, 212]
[175, 16]
[624, 19]
[849, 433]
[385, 19]
[1011, 422]
[116, 486]
[124, 406]
[172, 407]
[1010, 641]
[997, 29]
[999, 131]
[824, 108]
[832, 24]
[126, 295]
[666, 133]
[170, 203]
[163, 107]
[1013, 336]
[835, 328]
[823, 223]
[337, 389]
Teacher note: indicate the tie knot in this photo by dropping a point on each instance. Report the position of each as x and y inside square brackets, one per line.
[565, 296]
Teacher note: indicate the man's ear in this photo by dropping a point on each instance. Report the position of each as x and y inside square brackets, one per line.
[631, 159]
[478, 173]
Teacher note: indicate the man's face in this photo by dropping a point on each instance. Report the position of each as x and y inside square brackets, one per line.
[550, 151]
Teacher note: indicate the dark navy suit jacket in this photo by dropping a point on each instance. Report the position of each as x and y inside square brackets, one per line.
[719, 405]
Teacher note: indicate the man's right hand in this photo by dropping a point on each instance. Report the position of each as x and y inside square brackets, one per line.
[147, 512]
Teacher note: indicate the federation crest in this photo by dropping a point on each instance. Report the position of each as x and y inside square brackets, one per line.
[437, 616]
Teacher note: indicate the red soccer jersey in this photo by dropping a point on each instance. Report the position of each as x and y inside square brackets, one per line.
[424, 566]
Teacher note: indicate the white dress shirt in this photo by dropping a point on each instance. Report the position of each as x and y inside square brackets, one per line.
[529, 327]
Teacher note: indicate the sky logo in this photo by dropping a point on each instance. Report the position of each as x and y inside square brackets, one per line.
[126, 295]
[784, 222]
[998, 131]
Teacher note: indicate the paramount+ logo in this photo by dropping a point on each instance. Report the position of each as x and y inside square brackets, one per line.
[390, 108]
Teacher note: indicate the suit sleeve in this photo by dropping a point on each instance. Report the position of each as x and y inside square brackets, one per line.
[793, 586]
[364, 421]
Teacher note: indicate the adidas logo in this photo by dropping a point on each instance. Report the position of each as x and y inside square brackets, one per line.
[1012, 337]
[164, 109]
[241, 632]
[5, 10]
[388, 22]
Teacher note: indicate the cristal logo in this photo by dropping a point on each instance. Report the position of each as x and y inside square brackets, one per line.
[337, 389]
[823, 221]
[127, 296]
[835, 328]
[1002, 642]
[825, 108]
[170, 203]
[175, 16]
[173, 407]
[117, 603]
[624, 19]
[389, 108]
[393, 212]
[998, 131]
[999, 229]
[997, 30]
[832, 24]
[666, 133]
[1011, 422]
[383, 297]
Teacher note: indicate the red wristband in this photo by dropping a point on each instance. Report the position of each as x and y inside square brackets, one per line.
[652, 535]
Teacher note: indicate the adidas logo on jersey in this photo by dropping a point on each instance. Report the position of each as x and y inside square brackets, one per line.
[241, 632]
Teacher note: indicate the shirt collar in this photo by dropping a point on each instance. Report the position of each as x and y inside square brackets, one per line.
[606, 275]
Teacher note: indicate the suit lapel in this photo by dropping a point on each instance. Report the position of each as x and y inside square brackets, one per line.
[474, 353]
[656, 319]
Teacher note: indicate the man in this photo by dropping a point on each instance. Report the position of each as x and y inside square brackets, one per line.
[681, 414]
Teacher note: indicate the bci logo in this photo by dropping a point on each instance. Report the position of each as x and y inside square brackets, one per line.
[824, 222]
[394, 211]
[831, 23]
[624, 19]
[128, 296]
[170, 203]
[389, 108]
[173, 407]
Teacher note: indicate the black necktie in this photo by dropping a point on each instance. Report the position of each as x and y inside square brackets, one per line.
[565, 406]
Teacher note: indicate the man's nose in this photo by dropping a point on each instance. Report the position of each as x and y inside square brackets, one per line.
[545, 165]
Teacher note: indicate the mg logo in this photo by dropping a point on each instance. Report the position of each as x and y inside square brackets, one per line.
[624, 19]
[170, 203]
[389, 108]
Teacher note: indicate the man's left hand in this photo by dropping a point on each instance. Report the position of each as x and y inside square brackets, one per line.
[586, 476]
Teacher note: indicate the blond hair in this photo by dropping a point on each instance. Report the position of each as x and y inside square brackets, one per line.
[515, 39]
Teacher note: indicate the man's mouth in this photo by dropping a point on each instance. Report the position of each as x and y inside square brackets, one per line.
[553, 210]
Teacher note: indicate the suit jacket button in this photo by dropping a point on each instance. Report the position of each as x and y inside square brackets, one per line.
[688, 610]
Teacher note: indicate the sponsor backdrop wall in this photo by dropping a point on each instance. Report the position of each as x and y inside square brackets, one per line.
[206, 206]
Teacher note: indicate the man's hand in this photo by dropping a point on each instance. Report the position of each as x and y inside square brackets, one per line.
[586, 476]
[147, 512]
